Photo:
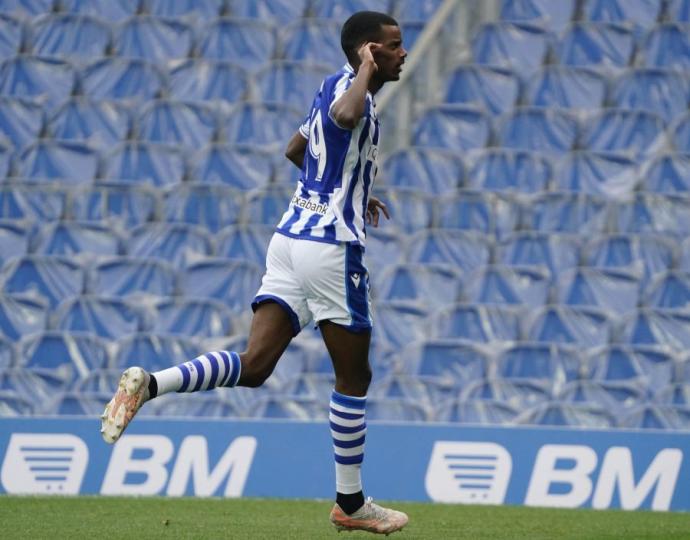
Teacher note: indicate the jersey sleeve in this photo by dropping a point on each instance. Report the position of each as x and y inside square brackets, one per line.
[304, 128]
[338, 90]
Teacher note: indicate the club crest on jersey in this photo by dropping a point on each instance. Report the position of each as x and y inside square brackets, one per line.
[355, 277]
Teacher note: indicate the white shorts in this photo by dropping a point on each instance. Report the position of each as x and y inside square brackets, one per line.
[317, 281]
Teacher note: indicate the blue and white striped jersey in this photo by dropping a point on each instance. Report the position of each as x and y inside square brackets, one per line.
[329, 204]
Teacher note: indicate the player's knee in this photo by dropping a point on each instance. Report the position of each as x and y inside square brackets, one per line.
[254, 372]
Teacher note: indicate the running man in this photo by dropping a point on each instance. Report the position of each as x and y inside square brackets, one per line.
[314, 269]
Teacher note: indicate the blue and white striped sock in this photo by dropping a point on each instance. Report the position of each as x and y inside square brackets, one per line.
[205, 372]
[348, 430]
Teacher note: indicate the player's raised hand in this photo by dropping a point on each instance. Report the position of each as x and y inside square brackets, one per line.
[374, 207]
[366, 52]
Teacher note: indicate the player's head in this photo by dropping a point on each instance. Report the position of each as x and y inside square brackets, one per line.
[375, 27]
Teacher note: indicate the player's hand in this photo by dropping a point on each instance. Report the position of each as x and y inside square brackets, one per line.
[366, 52]
[374, 209]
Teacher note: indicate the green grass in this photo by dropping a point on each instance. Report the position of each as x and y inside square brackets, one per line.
[145, 518]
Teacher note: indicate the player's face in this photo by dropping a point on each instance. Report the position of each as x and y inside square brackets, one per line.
[391, 56]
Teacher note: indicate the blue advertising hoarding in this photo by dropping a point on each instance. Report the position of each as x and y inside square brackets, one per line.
[566, 468]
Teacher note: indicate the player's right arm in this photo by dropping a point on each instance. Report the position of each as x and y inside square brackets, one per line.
[348, 110]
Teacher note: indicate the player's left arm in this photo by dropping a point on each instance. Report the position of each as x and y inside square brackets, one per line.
[296, 148]
[374, 208]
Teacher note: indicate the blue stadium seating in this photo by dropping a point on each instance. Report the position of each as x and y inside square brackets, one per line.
[477, 411]
[582, 326]
[268, 126]
[432, 171]
[652, 416]
[517, 45]
[198, 79]
[411, 210]
[33, 202]
[77, 240]
[101, 124]
[192, 317]
[598, 173]
[552, 15]
[650, 367]
[7, 355]
[14, 240]
[70, 162]
[567, 87]
[499, 284]
[290, 83]
[476, 211]
[641, 13]
[539, 129]
[681, 134]
[465, 250]
[105, 317]
[176, 243]
[397, 410]
[212, 207]
[195, 9]
[616, 397]
[400, 322]
[314, 40]
[568, 212]
[452, 127]
[508, 170]
[113, 11]
[478, 323]
[239, 166]
[384, 246]
[674, 394]
[342, 9]
[164, 121]
[669, 173]
[615, 290]
[68, 36]
[50, 278]
[516, 393]
[247, 42]
[278, 11]
[669, 290]
[679, 10]
[651, 213]
[10, 35]
[554, 251]
[156, 164]
[244, 242]
[12, 404]
[153, 352]
[267, 206]
[119, 78]
[637, 133]
[48, 79]
[20, 315]
[602, 46]
[494, 89]
[24, 9]
[77, 404]
[126, 276]
[124, 205]
[429, 284]
[656, 90]
[544, 363]
[654, 326]
[415, 10]
[666, 46]
[568, 414]
[153, 39]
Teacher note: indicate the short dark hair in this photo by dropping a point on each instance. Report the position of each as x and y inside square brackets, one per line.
[361, 27]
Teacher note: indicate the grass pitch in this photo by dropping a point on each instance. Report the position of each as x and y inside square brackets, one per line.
[119, 517]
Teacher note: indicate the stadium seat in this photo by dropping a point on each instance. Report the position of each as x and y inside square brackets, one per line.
[416, 10]
[268, 126]
[432, 171]
[393, 409]
[6, 158]
[21, 121]
[240, 167]
[567, 87]
[277, 11]
[212, 207]
[193, 318]
[636, 133]
[20, 315]
[549, 364]
[292, 83]
[411, 210]
[669, 290]
[165, 121]
[452, 127]
[70, 162]
[428, 284]
[267, 206]
[552, 15]
[681, 134]
[567, 212]
[494, 89]
[101, 124]
[603, 46]
[176, 243]
[642, 14]
[247, 42]
[538, 129]
[582, 326]
[314, 40]
[12, 404]
[289, 407]
[384, 247]
[400, 322]
[615, 290]
[554, 251]
[71, 37]
[234, 283]
[118, 78]
[508, 170]
[50, 278]
[476, 411]
[244, 242]
[195, 406]
[684, 261]
[189, 9]
[14, 240]
[113, 11]
[123, 205]
[465, 250]
[616, 397]
[651, 416]
[644, 254]
[674, 394]
[153, 39]
[477, 323]
[342, 9]
[477, 211]
[669, 173]
[198, 79]
[45, 202]
[155, 164]
[8, 354]
[651, 213]
[666, 46]
[679, 11]
[102, 316]
[655, 90]
[654, 326]
[79, 241]
[49, 80]
[499, 284]
[153, 352]
[567, 414]
[516, 393]
[126, 276]
[648, 367]
[77, 404]
[517, 45]
[10, 35]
